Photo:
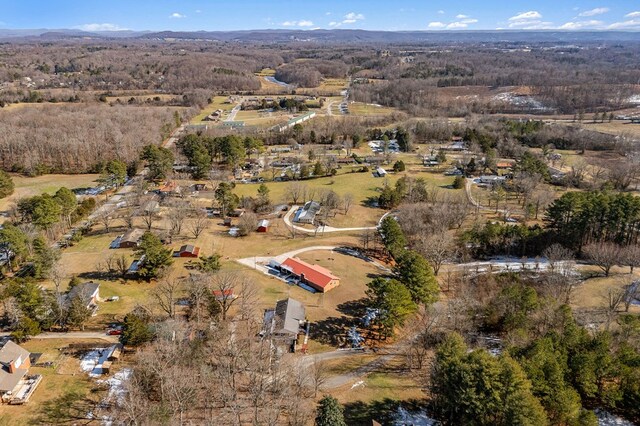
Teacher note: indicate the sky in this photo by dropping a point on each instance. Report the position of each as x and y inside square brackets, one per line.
[391, 15]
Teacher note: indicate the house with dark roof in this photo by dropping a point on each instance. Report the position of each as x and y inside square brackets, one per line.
[307, 213]
[187, 250]
[285, 322]
[15, 385]
[129, 239]
[315, 276]
[89, 293]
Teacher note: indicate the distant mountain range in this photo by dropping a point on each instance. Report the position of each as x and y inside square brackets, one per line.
[333, 36]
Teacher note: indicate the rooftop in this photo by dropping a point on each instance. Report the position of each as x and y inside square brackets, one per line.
[315, 274]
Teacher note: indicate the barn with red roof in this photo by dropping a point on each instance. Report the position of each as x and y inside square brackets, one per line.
[315, 276]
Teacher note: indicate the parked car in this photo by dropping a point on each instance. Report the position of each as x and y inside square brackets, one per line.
[114, 332]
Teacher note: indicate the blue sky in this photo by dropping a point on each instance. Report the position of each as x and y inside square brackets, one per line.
[211, 15]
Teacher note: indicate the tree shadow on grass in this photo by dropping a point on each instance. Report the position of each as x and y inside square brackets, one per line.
[72, 407]
[333, 330]
[360, 413]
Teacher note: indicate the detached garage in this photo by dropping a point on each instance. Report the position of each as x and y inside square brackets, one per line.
[187, 251]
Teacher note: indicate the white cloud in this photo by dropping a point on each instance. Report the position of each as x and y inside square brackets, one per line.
[469, 21]
[441, 12]
[328, 13]
[576, 25]
[176, 15]
[349, 18]
[524, 16]
[352, 16]
[632, 15]
[461, 16]
[456, 25]
[301, 23]
[630, 24]
[595, 12]
[531, 20]
[436, 25]
[101, 27]
[198, 11]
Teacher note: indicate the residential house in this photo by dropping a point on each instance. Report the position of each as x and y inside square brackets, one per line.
[170, 188]
[16, 387]
[130, 239]
[491, 179]
[285, 322]
[187, 250]
[308, 212]
[315, 276]
[88, 292]
[504, 165]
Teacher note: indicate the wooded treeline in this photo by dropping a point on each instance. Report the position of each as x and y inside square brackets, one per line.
[75, 138]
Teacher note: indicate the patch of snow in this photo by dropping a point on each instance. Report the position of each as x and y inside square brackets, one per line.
[404, 417]
[358, 384]
[520, 101]
[635, 99]
[116, 383]
[607, 419]
[92, 361]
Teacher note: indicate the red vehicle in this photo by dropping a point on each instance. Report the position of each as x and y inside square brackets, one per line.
[114, 332]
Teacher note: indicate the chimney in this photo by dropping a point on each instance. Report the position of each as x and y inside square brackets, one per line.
[12, 367]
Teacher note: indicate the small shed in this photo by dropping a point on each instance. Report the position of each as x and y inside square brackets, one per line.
[263, 226]
[187, 250]
[380, 172]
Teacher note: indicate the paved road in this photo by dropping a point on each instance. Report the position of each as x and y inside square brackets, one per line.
[322, 229]
[73, 335]
[232, 114]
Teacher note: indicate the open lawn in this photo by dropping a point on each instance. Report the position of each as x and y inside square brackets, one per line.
[378, 395]
[30, 186]
[363, 109]
[64, 377]
[616, 127]
[592, 292]
[218, 103]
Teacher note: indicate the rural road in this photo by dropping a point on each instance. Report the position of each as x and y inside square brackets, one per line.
[73, 335]
[288, 222]
[473, 201]
[232, 114]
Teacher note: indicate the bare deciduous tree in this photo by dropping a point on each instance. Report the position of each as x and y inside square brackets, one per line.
[605, 255]
[436, 248]
[198, 223]
[166, 295]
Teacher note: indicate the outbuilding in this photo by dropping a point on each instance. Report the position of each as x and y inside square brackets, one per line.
[263, 226]
[187, 250]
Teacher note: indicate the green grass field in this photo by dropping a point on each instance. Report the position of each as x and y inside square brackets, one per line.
[218, 103]
[30, 186]
[362, 109]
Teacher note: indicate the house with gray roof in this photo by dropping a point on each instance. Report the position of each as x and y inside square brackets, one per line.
[15, 385]
[308, 212]
[89, 293]
[285, 322]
